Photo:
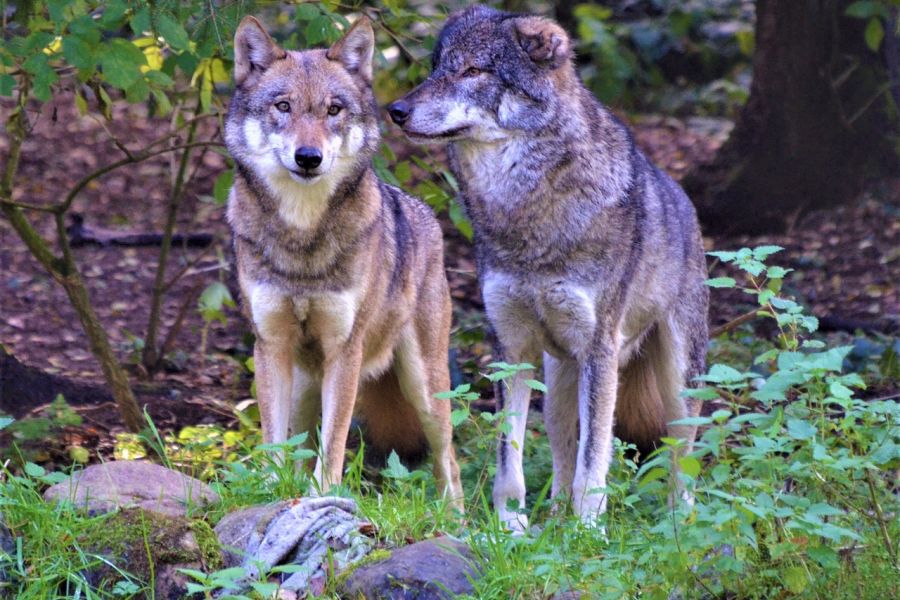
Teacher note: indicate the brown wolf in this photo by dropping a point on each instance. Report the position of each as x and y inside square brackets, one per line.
[342, 275]
[588, 255]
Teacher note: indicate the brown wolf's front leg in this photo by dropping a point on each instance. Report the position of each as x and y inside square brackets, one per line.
[340, 386]
[596, 406]
[273, 362]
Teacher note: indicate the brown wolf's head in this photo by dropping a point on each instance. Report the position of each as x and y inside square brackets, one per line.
[302, 118]
[495, 75]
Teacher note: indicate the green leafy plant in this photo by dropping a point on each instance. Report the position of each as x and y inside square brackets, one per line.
[662, 54]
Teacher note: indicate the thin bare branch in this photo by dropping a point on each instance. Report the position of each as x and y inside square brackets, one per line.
[736, 322]
[136, 158]
[28, 206]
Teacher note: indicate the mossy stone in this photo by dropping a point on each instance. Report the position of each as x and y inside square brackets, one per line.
[150, 547]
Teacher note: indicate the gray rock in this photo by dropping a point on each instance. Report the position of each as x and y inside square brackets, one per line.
[434, 569]
[127, 483]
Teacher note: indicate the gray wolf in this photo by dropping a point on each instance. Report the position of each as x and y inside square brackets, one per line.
[341, 275]
[589, 256]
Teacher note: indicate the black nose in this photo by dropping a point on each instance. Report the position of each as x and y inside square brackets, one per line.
[399, 111]
[308, 158]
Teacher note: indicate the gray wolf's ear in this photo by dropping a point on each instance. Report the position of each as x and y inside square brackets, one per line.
[543, 40]
[254, 50]
[355, 49]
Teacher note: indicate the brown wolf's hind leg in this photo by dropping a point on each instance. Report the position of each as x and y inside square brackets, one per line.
[419, 380]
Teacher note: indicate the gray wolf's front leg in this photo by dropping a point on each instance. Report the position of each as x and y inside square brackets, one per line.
[596, 406]
[340, 386]
[513, 396]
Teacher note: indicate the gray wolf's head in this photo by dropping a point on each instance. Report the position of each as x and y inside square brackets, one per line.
[302, 117]
[494, 75]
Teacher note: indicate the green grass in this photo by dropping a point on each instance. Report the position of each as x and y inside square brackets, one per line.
[794, 476]
[788, 542]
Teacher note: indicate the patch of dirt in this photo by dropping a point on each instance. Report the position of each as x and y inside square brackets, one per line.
[847, 264]
[38, 325]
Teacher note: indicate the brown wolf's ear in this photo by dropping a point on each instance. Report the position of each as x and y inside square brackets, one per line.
[543, 40]
[356, 48]
[254, 50]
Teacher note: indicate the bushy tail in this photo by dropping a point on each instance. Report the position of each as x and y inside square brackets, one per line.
[640, 415]
[389, 421]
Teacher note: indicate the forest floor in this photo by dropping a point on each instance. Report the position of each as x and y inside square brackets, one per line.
[846, 262]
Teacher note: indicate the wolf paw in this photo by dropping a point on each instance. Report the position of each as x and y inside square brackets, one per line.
[515, 523]
[589, 506]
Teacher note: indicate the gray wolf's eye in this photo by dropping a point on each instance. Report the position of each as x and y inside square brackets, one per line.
[471, 72]
[283, 106]
[334, 109]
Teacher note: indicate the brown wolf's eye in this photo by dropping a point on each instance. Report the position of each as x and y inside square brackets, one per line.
[334, 109]
[283, 106]
[472, 72]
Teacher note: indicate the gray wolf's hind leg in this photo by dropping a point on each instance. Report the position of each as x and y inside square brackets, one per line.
[670, 352]
[419, 379]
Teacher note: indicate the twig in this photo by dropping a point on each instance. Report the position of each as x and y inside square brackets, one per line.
[881, 520]
[49, 208]
[178, 129]
[119, 144]
[189, 300]
[187, 267]
[736, 322]
[151, 355]
[866, 105]
[399, 42]
[136, 158]
[883, 398]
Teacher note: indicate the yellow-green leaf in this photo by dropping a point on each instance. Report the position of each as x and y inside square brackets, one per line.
[689, 466]
[81, 103]
[874, 34]
[795, 579]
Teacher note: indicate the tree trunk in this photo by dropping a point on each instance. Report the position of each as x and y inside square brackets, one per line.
[116, 377]
[814, 128]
